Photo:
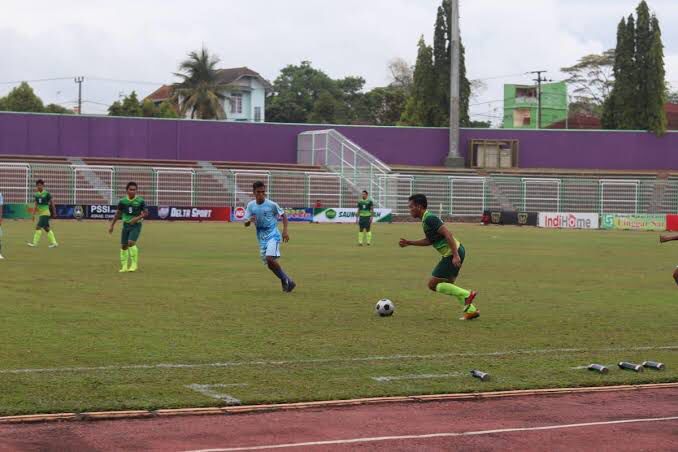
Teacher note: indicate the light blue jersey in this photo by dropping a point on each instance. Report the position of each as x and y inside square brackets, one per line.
[266, 214]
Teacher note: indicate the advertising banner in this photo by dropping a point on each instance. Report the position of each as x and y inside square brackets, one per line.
[568, 220]
[339, 215]
[633, 222]
[509, 217]
[98, 212]
[173, 213]
[672, 222]
[17, 211]
[296, 214]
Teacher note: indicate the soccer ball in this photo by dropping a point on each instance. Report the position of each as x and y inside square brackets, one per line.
[384, 307]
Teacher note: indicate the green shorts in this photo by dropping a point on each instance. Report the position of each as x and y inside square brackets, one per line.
[446, 269]
[130, 233]
[43, 222]
[365, 223]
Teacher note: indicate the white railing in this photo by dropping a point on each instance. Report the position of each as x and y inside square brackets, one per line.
[357, 167]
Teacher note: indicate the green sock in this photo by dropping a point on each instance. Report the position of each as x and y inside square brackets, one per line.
[124, 255]
[360, 237]
[51, 237]
[36, 236]
[455, 291]
[369, 238]
[134, 255]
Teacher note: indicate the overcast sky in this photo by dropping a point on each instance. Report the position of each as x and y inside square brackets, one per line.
[143, 40]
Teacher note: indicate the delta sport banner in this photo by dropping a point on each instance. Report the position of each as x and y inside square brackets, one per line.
[633, 222]
[296, 214]
[339, 215]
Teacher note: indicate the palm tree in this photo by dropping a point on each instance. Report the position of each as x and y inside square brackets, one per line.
[200, 93]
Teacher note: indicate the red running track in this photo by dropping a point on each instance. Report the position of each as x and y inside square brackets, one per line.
[643, 419]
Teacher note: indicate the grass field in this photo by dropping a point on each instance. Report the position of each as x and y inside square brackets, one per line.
[76, 335]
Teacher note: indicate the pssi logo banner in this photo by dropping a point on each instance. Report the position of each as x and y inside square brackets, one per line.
[634, 222]
[99, 212]
[173, 213]
[339, 215]
[568, 220]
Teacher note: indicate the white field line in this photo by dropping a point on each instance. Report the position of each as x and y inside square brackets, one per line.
[211, 392]
[440, 435]
[415, 377]
[332, 360]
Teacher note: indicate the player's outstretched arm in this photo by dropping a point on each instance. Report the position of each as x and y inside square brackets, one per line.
[285, 235]
[423, 242]
[667, 238]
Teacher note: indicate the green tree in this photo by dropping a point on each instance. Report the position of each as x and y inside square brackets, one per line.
[640, 90]
[655, 82]
[325, 109]
[295, 92]
[148, 109]
[22, 99]
[200, 94]
[54, 108]
[385, 105]
[422, 107]
[167, 110]
[620, 110]
[130, 106]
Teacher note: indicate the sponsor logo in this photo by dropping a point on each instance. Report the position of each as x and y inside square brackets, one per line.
[78, 212]
[239, 213]
[331, 214]
[194, 213]
[522, 218]
[163, 212]
[100, 209]
[496, 217]
[568, 221]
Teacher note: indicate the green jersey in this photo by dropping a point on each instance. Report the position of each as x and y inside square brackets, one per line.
[42, 200]
[131, 208]
[432, 224]
[365, 207]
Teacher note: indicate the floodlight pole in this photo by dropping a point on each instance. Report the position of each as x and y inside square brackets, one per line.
[454, 159]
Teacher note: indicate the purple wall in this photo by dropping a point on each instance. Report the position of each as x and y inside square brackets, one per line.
[207, 140]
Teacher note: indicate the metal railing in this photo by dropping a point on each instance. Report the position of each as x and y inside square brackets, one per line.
[448, 195]
[359, 169]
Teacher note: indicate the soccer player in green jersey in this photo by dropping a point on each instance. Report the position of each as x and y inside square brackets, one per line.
[452, 251]
[44, 207]
[669, 238]
[364, 220]
[132, 210]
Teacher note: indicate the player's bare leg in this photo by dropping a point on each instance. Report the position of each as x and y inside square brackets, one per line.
[675, 275]
[667, 238]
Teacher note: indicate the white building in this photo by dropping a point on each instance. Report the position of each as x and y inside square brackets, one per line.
[246, 100]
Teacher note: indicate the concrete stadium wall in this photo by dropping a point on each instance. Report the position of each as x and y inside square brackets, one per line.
[87, 136]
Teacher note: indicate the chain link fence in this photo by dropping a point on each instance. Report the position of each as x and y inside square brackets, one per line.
[462, 196]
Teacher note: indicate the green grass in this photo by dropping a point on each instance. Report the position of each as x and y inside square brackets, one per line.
[202, 296]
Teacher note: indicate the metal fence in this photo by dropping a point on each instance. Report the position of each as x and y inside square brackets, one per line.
[448, 195]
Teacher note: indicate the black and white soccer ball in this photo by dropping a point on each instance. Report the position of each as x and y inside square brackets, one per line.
[384, 307]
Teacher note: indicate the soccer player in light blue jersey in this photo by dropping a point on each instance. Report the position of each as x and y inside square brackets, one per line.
[264, 213]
